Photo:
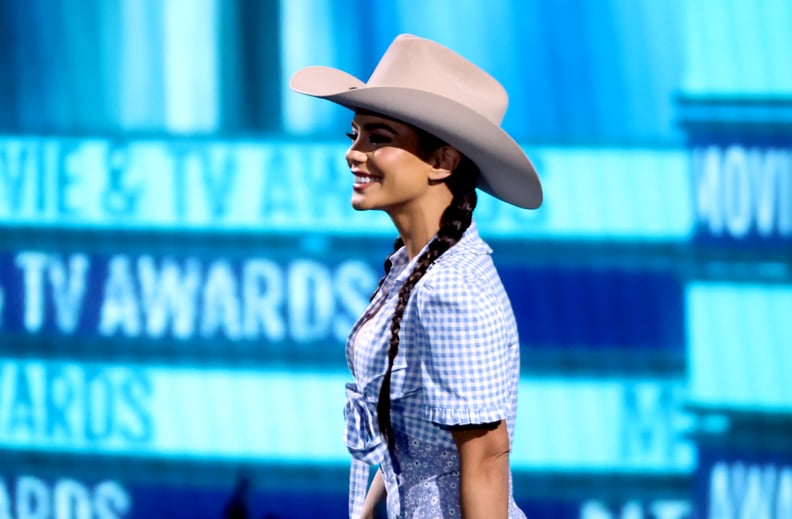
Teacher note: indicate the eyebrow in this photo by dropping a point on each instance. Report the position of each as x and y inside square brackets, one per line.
[369, 127]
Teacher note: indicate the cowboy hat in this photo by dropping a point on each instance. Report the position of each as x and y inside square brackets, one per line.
[423, 83]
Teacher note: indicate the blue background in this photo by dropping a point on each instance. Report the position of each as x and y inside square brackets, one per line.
[652, 290]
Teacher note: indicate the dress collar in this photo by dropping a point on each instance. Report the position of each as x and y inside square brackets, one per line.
[401, 265]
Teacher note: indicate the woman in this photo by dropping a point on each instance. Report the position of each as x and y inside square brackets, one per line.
[435, 356]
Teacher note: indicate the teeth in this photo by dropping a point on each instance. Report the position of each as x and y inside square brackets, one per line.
[360, 179]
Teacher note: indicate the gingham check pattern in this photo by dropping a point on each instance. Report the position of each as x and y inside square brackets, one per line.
[458, 360]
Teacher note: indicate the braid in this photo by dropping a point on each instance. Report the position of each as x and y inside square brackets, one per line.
[454, 222]
[387, 267]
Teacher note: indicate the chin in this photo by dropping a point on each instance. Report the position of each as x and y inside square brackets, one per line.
[361, 205]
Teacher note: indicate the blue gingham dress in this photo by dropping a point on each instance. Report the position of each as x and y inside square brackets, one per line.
[458, 363]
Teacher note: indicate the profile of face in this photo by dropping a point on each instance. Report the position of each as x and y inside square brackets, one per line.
[392, 171]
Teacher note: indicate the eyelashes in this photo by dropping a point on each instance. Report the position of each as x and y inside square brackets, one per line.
[373, 138]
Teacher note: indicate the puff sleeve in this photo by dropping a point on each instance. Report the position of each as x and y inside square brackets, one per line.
[467, 343]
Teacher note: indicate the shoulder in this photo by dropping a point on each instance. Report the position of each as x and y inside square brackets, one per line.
[465, 272]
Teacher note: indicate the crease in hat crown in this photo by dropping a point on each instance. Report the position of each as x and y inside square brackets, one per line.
[416, 63]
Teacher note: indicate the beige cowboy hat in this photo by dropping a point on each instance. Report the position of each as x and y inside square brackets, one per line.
[423, 83]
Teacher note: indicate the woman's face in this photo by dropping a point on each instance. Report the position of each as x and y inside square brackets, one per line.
[388, 165]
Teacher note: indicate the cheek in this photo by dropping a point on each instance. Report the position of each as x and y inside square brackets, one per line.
[389, 157]
[397, 161]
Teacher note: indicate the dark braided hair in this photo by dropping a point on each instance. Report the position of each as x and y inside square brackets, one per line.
[453, 224]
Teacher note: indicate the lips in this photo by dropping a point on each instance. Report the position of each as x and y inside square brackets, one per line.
[364, 178]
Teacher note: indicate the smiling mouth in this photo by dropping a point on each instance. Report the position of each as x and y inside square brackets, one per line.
[364, 179]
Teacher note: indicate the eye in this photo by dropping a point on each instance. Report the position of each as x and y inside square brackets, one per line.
[376, 138]
[352, 135]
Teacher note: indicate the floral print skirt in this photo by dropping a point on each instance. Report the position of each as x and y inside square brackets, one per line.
[425, 482]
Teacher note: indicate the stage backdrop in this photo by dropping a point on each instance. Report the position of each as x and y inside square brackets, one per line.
[180, 266]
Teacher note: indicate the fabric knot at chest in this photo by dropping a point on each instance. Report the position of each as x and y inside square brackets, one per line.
[362, 435]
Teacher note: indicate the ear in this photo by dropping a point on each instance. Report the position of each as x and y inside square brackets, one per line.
[444, 161]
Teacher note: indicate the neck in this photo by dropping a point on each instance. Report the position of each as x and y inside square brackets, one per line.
[416, 228]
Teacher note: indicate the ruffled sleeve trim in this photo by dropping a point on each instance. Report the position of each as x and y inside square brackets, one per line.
[449, 416]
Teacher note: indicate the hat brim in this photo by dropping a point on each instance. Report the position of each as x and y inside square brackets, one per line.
[506, 171]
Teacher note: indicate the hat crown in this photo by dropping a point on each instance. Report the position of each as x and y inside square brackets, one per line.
[416, 63]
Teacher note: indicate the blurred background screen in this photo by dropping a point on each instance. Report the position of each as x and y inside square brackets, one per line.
[180, 265]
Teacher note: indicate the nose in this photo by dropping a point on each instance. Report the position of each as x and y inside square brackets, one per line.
[354, 156]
